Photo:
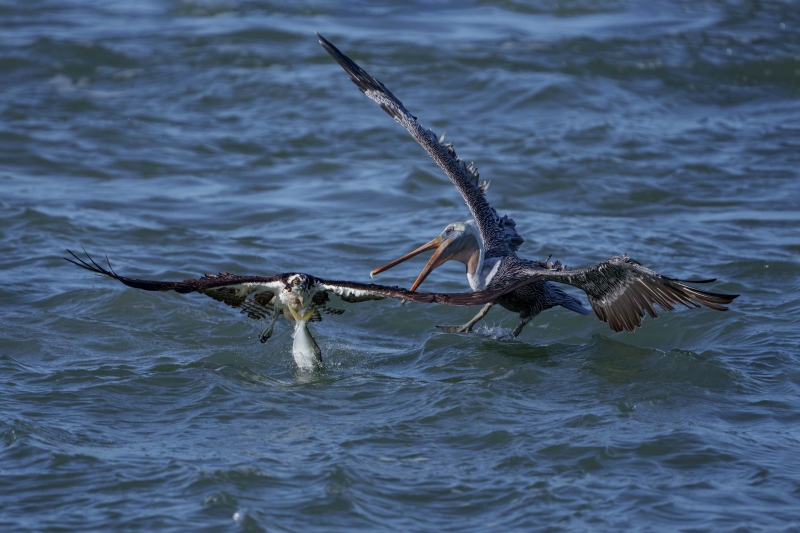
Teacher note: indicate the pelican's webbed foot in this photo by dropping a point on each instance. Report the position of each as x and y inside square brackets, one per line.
[466, 328]
[522, 322]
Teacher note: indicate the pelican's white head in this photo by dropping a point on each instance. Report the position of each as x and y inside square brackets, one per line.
[459, 241]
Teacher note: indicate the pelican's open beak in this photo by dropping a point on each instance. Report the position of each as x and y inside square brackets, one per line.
[438, 258]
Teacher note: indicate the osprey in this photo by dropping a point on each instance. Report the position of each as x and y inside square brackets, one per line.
[298, 297]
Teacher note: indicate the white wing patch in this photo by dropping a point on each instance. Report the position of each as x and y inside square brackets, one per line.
[254, 298]
[349, 294]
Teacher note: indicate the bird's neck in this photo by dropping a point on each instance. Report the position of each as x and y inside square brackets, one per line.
[472, 257]
[474, 261]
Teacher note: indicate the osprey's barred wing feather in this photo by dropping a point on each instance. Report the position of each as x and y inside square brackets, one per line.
[500, 237]
[621, 290]
[252, 294]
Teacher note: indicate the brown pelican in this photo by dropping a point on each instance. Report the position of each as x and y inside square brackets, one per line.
[619, 289]
[299, 297]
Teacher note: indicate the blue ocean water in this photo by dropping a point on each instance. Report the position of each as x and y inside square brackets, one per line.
[190, 136]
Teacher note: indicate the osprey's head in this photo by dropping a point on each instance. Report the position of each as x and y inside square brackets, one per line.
[298, 283]
[298, 294]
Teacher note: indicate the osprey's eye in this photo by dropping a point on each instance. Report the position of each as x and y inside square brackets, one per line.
[296, 281]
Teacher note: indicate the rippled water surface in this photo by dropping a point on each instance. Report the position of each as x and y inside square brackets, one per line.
[182, 137]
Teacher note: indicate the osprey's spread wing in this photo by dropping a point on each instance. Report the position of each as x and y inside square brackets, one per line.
[359, 292]
[255, 295]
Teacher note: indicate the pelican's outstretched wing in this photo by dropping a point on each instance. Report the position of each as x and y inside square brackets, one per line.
[500, 237]
[621, 290]
[252, 294]
[359, 292]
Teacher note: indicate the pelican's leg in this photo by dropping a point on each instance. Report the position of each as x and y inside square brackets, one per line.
[522, 321]
[466, 328]
[266, 333]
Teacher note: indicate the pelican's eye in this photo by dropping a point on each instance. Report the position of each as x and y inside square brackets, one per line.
[448, 229]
